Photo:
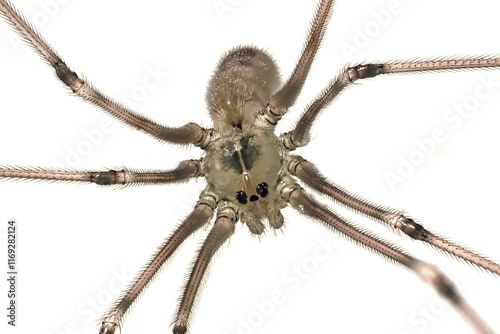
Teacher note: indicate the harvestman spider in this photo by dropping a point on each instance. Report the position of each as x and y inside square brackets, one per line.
[405, 78]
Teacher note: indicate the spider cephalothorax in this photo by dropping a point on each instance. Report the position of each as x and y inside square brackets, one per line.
[250, 170]
[245, 168]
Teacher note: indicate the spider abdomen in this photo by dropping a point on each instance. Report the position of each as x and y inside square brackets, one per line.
[242, 84]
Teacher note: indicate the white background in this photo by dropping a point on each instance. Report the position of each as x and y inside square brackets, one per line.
[74, 238]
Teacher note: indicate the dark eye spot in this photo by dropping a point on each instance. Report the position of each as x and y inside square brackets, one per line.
[253, 198]
[241, 197]
[262, 189]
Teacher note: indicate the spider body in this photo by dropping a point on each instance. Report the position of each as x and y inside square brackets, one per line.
[245, 164]
[414, 196]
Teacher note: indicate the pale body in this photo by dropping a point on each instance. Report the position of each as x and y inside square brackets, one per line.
[246, 154]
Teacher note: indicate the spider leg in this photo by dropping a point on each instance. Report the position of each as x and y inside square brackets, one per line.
[201, 214]
[291, 192]
[227, 216]
[299, 136]
[286, 96]
[186, 170]
[190, 133]
[308, 173]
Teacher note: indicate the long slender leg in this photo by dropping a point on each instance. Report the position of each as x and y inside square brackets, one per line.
[286, 96]
[227, 216]
[186, 170]
[291, 192]
[299, 136]
[308, 173]
[190, 133]
[202, 214]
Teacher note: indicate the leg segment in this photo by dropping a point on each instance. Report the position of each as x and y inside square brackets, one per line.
[186, 170]
[227, 216]
[190, 133]
[201, 214]
[308, 173]
[287, 95]
[291, 192]
[299, 136]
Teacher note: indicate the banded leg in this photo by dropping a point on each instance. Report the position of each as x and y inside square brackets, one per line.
[190, 133]
[187, 169]
[227, 216]
[307, 173]
[202, 214]
[291, 192]
[287, 95]
[300, 136]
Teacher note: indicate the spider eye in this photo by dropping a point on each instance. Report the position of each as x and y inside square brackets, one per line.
[253, 198]
[262, 189]
[241, 197]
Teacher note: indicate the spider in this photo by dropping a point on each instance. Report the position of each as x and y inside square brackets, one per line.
[234, 245]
